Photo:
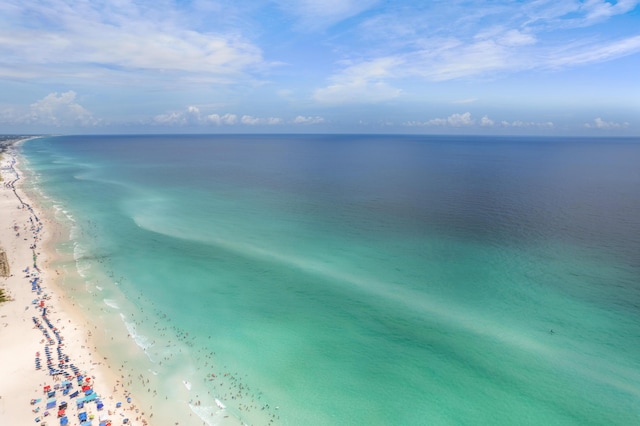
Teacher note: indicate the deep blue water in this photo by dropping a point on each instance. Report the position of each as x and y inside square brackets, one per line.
[363, 279]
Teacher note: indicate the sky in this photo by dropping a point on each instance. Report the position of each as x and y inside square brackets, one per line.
[539, 67]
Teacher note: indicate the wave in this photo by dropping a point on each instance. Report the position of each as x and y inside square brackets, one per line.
[211, 415]
[60, 210]
[111, 303]
[141, 340]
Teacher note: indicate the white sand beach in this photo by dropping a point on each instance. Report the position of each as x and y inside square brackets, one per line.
[45, 344]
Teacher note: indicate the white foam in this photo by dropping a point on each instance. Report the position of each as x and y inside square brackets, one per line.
[60, 212]
[210, 414]
[74, 232]
[141, 341]
[111, 303]
[78, 251]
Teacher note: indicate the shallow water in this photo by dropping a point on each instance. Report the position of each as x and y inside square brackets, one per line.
[361, 279]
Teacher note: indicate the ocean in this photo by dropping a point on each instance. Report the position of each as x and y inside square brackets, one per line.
[356, 279]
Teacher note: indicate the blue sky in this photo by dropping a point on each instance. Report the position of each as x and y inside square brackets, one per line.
[541, 67]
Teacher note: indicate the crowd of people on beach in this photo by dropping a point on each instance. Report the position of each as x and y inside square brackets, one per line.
[66, 386]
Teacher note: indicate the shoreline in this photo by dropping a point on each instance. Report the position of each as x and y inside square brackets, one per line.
[106, 342]
[45, 340]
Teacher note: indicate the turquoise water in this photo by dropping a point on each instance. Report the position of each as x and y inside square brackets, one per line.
[360, 279]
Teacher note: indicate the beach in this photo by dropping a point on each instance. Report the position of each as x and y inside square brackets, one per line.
[51, 373]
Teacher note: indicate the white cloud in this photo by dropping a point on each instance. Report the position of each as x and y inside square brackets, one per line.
[454, 120]
[435, 44]
[527, 124]
[572, 55]
[254, 121]
[465, 101]
[61, 110]
[599, 10]
[516, 38]
[465, 120]
[226, 119]
[192, 116]
[308, 120]
[91, 39]
[361, 83]
[486, 121]
[56, 110]
[459, 120]
[171, 119]
[317, 14]
[356, 92]
[599, 123]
